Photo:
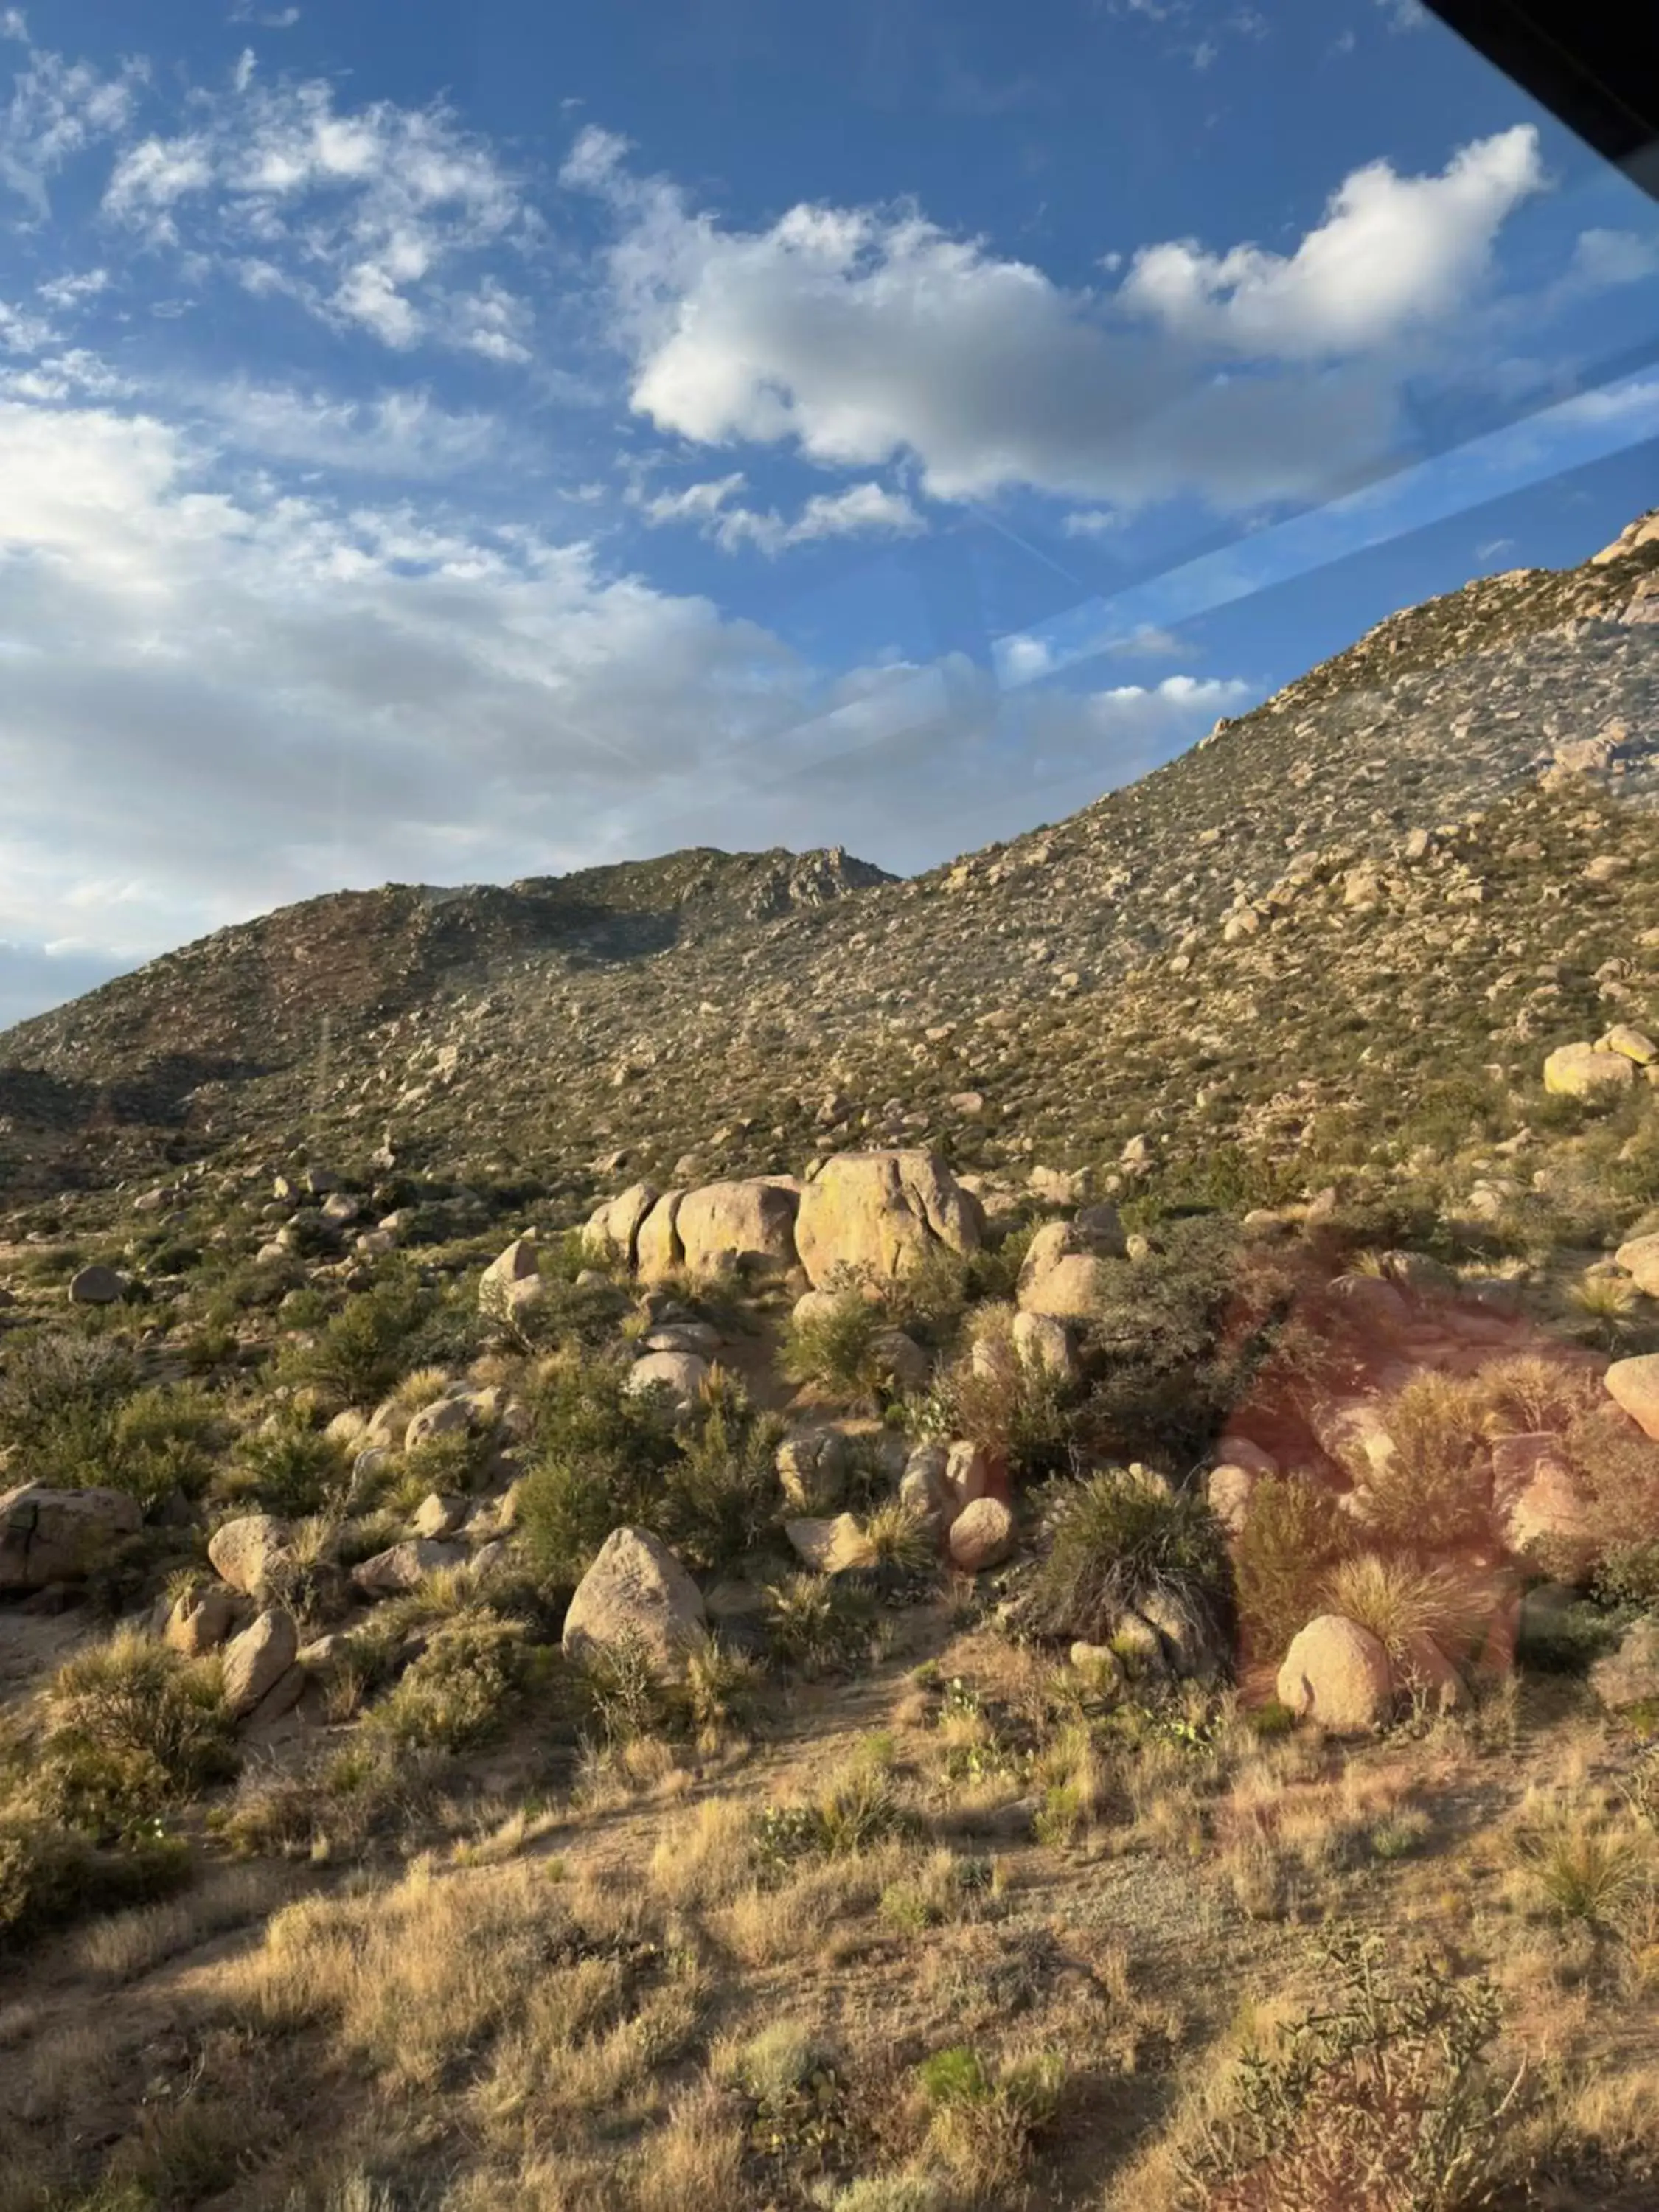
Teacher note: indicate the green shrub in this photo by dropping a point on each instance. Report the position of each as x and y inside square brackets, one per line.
[73, 1407]
[1428, 1495]
[720, 1491]
[601, 1461]
[289, 1468]
[133, 1728]
[367, 1347]
[983, 2119]
[1294, 1534]
[819, 1624]
[49, 1875]
[856, 1810]
[1163, 1381]
[460, 1688]
[840, 1349]
[1114, 1542]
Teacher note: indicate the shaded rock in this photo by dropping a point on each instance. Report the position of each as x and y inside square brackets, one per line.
[967, 1473]
[1337, 1673]
[1243, 1451]
[1043, 1341]
[444, 1417]
[96, 1286]
[438, 1515]
[700, 1337]
[658, 1252]
[610, 1232]
[1425, 1670]
[812, 1467]
[404, 1567]
[1640, 1258]
[199, 1621]
[879, 1213]
[829, 1547]
[49, 1535]
[256, 1660]
[278, 1701]
[250, 1552]
[907, 1365]
[749, 1224]
[924, 1487]
[489, 1559]
[981, 1535]
[1630, 1674]
[1099, 1663]
[1633, 1385]
[1073, 1286]
[681, 1374]
[504, 1279]
[1228, 1489]
[636, 1592]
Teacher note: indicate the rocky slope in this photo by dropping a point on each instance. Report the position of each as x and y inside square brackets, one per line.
[739, 1004]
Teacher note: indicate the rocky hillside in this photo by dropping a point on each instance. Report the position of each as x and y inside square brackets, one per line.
[743, 998]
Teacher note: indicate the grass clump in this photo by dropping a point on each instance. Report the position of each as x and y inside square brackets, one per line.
[459, 1690]
[133, 1729]
[1294, 1534]
[1428, 1493]
[983, 2119]
[1404, 1604]
[1117, 1542]
[51, 1875]
[840, 1350]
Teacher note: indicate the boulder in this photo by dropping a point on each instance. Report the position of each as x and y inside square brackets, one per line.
[1337, 1673]
[1228, 1490]
[967, 1473]
[636, 1592]
[1640, 1258]
[256, 1660]
[443, 1417]
[681, 1374]
[880, 1213]
[700, 1337]
[404, 1567]
[611, 1230]
[981, 1535]
[199, 1621]
[1424, 1669]
[831, 1546]
[504, 1279]
[49, 1535]
[250, 1552]
[905, 1364]
[749, 1224]
[1548, 1515]
[1633, 1385]
[812, 1467]
[279, 1700]
[1630, 1674]
[1099, 1229]
[438, 1515]
[1043, 1341]
[1073, 1288]
[1635, 1044]
[923, 1486]
[1579, 1071]
[96, 1286]
[658, 1252]
[1098, 1662]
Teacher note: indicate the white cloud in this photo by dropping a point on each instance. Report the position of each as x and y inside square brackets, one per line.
[859, 335]
[397, 434]
[68, 290]
[57, 109]
[862, 510]
[366, 217]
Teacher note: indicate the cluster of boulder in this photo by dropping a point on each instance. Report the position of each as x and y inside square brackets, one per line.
[1603, 1070]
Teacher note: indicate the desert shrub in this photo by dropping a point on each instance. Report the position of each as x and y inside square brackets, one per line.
[460, 1688]
[840, 1349]
[856, 1810]
[1378, 2102]
[1617, 1470]
[73, 1407]
[1012, 1406]
[601, 1461]
[1401, 1602]
[983, 2119]
[1294, 1534]
[1429, 1494]
[1163, 1378]
[132, 1729]
[287, 1467]
[623, 1694]
[720, 1493]
[50, 1874]
[359, 1354]
[1116, 1542]
[721, 1685]
[1581, 1871]
[819, 1624]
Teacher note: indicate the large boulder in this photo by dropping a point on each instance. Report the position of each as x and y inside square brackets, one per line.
[511, 1279]
[96, 1286]
[981, 1535]
[60, 1535]
[611, 1230]
[1337, 1673]
[636, 1593]
[1633, 1384]
[256, 1660]
[250, 1552]
[681, 1374]
[880, 1214]
[1579, 1071]
[743, 1225]
[1635, 1044]
[1641, 1257]
[1072, 1288]
[658, 1252]
[1043, 1341]
[199, 1620]
[1629, 1675]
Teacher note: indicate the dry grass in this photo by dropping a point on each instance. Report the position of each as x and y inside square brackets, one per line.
[128, 1945]
[1404, 1604]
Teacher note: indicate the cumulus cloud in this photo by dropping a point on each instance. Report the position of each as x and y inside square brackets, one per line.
[862, 510]
[859, 335]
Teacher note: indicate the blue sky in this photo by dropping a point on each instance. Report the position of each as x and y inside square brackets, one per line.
[449, 444]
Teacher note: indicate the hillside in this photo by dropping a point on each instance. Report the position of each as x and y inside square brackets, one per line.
[727, 1532]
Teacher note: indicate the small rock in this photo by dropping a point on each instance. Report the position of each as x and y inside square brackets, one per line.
[404, 1567]
[438, 1515]
[1640, 1260]
[200, 1621]
[981, 1535]
[829, 1547]
[681, 1374]
[444, 1417]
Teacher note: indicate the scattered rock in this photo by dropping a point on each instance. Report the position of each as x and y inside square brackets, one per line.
[829, 1547]
[1337, 1673]
[444, 1417]
[1228, 1490]
[1635, 1044]
[508, 1278]
[256, 1660]
[404, 1567]
[812, 1466]
[636, 1591]
[1633, 1385]
[681, 1374]
[1043, 1341]
[49, 1535]
[438, 1515]
[250, 1553]
[200, 1620]
[981, 1535]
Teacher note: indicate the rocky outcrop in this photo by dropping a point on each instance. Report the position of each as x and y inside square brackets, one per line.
[49, 1535]
[749, 1225]
[404, 1567]
[879, 1215]
[1064, 1276]
[611, 1232]
[1579, 1071]
[1338, 1674]
[635, 1593]
[1639, 1258]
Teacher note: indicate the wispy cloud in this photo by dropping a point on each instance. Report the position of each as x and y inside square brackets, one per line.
[862, 510]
